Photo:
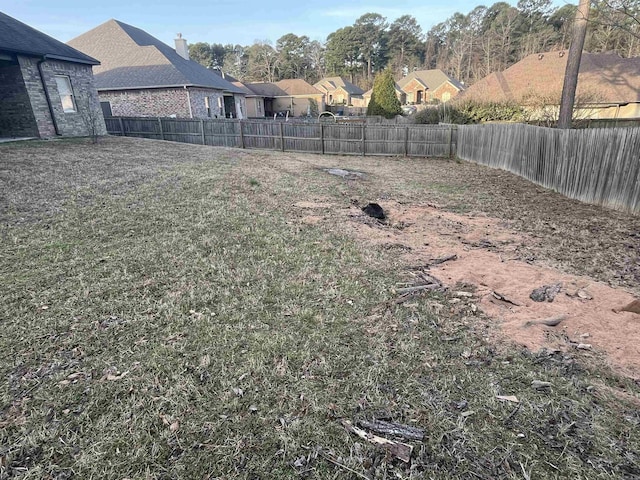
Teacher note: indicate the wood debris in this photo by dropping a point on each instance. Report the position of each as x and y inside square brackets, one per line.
[502, 298]
[392, 428]
[508, 398]
[399, 450]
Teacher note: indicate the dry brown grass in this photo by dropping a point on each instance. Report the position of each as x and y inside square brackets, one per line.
[167, 314]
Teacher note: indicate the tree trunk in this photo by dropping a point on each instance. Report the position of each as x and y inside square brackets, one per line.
[573, 65]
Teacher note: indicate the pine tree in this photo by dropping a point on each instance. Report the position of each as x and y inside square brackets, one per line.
[383, 98]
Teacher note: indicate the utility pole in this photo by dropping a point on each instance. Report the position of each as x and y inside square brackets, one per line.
[573, 65]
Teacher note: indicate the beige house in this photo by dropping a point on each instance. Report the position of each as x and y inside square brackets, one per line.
[339, 91]
[608, 85]
[428, 86]
[254, 101]
[294, 96]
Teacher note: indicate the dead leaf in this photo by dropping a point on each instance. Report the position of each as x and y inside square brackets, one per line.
[174, 426]
[205, 361]
[111, 377]
[238, 391]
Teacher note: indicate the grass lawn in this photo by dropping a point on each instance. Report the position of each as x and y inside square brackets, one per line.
[166, 314]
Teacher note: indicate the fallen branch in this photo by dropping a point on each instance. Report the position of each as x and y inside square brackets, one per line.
[401, 451]
[549, 322]
[434, 262]
[392, 428]
[502, 298]
[418, 288]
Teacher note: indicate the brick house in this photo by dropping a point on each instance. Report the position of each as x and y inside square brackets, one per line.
[295, 96]
[339, 91]
[140, 76]
[426, 86]
[46, 87]
[608, 85]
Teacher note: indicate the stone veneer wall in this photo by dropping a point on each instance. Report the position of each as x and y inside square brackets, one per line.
[16, 115]
[88, 110]
[156, 102]
[198, 105]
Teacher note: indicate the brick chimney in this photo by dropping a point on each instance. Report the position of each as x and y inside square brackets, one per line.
[181, 47]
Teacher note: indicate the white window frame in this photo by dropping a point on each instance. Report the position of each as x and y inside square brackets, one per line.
[65, 90]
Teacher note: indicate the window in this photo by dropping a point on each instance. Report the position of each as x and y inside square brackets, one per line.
[207, 105]
[66, 93]
[258, 106]
[106, 109]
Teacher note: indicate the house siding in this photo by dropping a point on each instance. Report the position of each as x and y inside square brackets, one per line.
[301, 105]
[199, 107]
[167, 102]
[16, 114]
[442, 89]
[160, 102]
[88, 110]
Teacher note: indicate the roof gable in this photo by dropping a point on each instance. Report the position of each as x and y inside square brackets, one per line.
[329, 84]
[131, 58]
[20, 38]
[284, 88]
[432, 79]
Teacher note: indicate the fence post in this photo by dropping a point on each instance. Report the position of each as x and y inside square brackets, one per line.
[322, 137]
[450, 138]
[241, 135]
[202, 131]
[121, 126]
[363, 139]
[281, 137]
[161, 130]
[406, 141]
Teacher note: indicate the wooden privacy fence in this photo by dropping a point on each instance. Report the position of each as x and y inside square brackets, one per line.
[347, 139]
[600, 165]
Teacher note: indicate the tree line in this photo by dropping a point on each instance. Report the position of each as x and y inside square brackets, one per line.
[466, 46]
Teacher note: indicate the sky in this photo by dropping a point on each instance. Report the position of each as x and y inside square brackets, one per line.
[226, 21]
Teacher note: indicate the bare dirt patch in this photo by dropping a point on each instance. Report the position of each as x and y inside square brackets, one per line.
[493, 258]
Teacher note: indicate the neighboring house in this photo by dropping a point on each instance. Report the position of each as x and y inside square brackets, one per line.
[608, 85]
[338, 91]
[294, 96]
[142, 77]
[46, 87]
[255, 102]
[427, 86]
[367, 95]
[424, 86]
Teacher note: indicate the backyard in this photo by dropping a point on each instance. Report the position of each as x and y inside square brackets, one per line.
[182, 311]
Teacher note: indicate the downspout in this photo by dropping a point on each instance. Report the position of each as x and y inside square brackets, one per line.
[46, 95]
[189, 101]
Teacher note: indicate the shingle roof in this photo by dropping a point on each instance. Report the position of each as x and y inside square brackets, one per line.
[284, 88]
[432, 79]
[17, 37]
[131, 58]
[330, 84]
[245, 89]
[603, 78]
[370, 91]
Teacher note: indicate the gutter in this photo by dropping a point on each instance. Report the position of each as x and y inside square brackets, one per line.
[46, 94]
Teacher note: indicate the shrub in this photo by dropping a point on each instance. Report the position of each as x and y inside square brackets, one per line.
[383, 98]
[467, 112]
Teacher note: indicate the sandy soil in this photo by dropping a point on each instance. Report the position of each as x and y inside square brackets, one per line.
[493, 258]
